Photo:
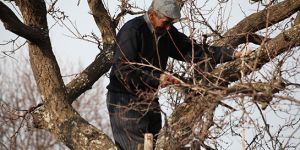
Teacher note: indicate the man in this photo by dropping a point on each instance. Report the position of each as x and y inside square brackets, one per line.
[142, 48]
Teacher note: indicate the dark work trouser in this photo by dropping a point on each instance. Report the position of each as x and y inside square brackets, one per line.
[131, 118]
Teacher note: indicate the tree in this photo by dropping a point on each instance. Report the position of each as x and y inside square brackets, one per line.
[273, 30]
[19, 96]
[17, 131]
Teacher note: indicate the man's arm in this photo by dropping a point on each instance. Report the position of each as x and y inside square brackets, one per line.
[184, 48]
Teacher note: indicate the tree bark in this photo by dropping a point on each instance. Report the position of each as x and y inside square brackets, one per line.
[56, 114]
[13, 24]
[258, 21]
[102, 63]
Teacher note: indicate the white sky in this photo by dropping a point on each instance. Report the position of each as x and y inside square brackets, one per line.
[70, 50]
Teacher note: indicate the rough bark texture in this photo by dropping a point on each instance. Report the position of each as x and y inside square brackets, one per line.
[102, 63]
[12, 23]
[56, 114]
[85, 80]
[258, 21]
[281, 43]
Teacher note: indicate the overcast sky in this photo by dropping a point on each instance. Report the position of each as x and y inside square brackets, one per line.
[72, 51]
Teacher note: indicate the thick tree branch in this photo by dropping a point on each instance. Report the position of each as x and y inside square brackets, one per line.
[254, 38]
[12, 23]
[297, 19]
[245, 30]
[250, 88]
[89, 76]
[75, 132]
[56, 114]
[44, 65]
[85, 80]
[258, 21]
[104, 22]
[283, 42]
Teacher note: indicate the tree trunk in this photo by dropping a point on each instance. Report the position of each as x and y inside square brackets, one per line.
[56, 114]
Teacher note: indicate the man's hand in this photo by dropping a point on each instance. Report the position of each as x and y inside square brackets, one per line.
[167, 79]
[244, 52]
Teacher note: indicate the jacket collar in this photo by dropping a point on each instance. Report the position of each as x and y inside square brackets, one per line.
[150, 26]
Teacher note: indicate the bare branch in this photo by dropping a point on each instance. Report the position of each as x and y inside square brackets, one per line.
[281, 43]
[85, 80]
[180, 125]
[102, 63]
[123, 13]
[103, 21]
[297, 19]
[13, 24]
[258, 21]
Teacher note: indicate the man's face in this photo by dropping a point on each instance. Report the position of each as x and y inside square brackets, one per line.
[160, 22]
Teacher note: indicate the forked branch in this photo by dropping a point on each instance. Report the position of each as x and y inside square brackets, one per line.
[12, 23]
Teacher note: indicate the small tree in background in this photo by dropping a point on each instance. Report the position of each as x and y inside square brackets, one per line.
[19, 96]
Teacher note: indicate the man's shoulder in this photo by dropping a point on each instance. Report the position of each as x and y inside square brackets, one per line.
[136, 23]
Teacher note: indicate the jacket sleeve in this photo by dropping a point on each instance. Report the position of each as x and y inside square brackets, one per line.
[125, 61]
[184, 48]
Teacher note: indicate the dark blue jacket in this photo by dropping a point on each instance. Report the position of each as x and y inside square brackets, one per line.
[136, 45]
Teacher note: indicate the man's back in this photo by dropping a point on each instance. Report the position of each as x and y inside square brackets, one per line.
[137, 44]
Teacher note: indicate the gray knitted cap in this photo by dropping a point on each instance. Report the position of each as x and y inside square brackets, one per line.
[168, 8]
